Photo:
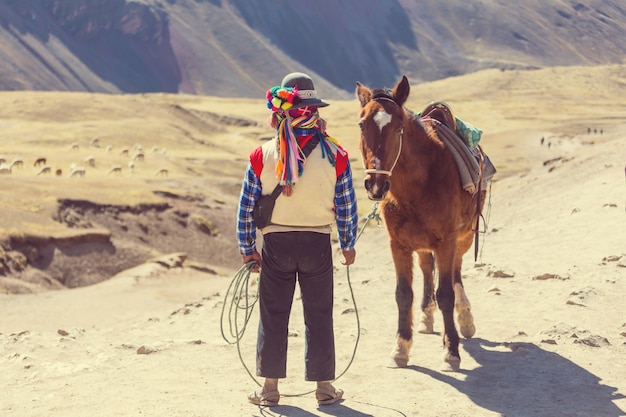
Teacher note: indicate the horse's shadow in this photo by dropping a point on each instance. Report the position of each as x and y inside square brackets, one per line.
[529, 382]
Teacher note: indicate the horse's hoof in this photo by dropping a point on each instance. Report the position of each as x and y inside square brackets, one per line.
[451, 363]
[468, 331]
[400, 353]
[396, 362]
[425, 328]
[466, 324]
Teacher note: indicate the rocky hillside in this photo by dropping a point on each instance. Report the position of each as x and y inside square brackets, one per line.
[237, 48]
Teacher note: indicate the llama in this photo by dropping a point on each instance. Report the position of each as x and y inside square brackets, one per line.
[90, 160]
[77, 172]
[115, 169]
[17, 163]
[45, 170]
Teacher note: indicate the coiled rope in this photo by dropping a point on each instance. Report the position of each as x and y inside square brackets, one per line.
[240, 301]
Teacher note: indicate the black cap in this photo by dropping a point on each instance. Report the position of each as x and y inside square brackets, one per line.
[306, 89]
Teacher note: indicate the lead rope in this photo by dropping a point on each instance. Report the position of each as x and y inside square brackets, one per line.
[239, 298]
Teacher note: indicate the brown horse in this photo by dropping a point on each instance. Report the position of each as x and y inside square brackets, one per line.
[425, 210]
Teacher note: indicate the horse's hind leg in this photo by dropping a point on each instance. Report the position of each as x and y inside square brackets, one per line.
[462, 305]
[464, 311]
[403, 261]
[429, 305]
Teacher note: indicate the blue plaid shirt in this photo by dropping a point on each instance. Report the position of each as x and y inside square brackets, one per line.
[345, 209]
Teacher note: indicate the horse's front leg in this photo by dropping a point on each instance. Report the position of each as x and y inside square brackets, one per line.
[445, 300]
[429, 305]
[403, 261]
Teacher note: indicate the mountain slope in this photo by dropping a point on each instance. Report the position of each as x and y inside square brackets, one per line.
[238, 48]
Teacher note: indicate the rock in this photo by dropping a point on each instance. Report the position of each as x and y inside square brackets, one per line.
[575, 302]
[172, 260]
[546, 276]
[594, 341]
[145, 350]
[501, 274]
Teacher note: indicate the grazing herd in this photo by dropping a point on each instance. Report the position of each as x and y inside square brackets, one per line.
[7, 168]
[43, 166]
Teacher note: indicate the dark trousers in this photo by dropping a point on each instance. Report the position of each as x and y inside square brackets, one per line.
[307, 258]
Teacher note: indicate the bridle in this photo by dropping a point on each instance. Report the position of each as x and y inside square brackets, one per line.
[388, 172]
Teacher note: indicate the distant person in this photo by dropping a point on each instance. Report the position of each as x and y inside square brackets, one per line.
[317, 193]
[542, 140]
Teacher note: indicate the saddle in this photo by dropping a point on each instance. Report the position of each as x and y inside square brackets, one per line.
[441, 112]
[475, 167]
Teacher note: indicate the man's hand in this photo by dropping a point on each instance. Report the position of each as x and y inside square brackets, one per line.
[256, 257]
[349, 256]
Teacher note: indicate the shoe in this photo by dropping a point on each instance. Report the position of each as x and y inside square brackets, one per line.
[266, 399]
[325, 396]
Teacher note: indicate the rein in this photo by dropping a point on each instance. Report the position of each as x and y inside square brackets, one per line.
[388, 172]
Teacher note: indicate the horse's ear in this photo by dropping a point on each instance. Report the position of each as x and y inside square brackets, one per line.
[401, 90]
[363, 93]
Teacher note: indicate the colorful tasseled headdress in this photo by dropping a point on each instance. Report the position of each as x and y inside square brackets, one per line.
[281, 98]
[290, 163]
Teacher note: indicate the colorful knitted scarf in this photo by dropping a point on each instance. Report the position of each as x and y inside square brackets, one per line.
[291, 123]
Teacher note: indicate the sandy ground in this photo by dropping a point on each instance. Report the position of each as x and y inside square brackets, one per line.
[546, 291]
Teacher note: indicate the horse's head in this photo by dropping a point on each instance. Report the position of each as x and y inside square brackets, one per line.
[382, 124]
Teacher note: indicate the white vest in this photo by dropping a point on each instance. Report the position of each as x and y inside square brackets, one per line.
[312, 202]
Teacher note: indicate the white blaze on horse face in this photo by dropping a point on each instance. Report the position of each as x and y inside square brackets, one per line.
[382, 119]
